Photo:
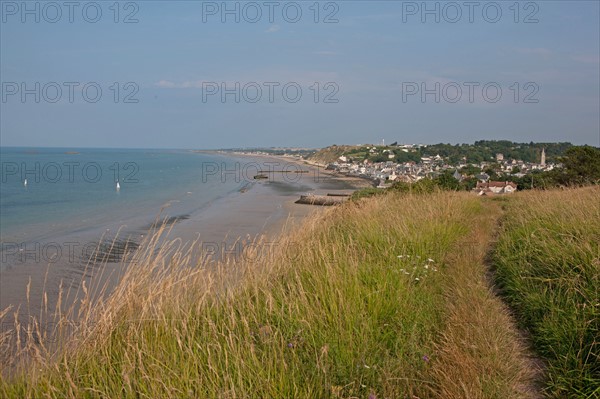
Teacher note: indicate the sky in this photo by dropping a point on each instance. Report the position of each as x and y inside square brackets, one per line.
[206, 75]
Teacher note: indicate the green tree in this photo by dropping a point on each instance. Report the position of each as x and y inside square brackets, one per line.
[471, 170]
[446, 181]
[379, 158]
[492, 173]
[468, 184]
[581, 165]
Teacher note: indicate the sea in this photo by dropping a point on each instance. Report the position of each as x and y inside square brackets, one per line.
[71, 215]
[59, 196]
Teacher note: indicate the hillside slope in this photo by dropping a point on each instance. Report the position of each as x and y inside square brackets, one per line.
[330, 154]
[385, 297]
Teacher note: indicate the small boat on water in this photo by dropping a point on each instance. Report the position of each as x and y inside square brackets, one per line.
[25, 182]
[261, 176]
[118, 186]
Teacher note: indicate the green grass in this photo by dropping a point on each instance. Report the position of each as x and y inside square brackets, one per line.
[348, 306]
[335, 318]
[548, 265]
[366, 193]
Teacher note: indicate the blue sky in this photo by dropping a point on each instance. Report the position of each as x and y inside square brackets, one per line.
[369, 59]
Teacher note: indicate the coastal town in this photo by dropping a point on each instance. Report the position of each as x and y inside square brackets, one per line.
[387, 172]
[409, 163]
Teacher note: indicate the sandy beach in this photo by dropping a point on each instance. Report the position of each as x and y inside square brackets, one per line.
[261, 210]
[265, 208]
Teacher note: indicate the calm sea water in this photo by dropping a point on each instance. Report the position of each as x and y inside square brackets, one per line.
[73, 191]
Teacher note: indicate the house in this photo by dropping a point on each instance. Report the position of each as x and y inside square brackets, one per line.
[495, 187]
[483, 177]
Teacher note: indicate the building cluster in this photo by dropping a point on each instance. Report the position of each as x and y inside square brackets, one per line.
[387, 172]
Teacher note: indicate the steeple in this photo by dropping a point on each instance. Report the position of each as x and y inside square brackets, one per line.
[543, 160]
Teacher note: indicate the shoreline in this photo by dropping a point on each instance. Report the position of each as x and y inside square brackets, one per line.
[357, 181]
[259, 210]
[263, 209]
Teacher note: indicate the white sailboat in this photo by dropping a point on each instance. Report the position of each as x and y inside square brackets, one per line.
[25, 182]
[118, 186]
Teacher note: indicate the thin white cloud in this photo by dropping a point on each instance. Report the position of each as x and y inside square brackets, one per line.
[189, 84]
[303, 78]
[165, 84]
[540, 51]
[273, 28]
[587, 58]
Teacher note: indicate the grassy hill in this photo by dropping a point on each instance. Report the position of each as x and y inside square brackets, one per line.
[385, 297]
[330, 154]
[483, 150]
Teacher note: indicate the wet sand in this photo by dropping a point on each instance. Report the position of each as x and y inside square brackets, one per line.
[261, 209]
[265, 207]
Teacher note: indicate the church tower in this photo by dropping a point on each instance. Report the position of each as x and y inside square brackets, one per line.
[543, 160]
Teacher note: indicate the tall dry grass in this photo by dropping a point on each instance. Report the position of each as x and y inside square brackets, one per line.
[360, 302]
